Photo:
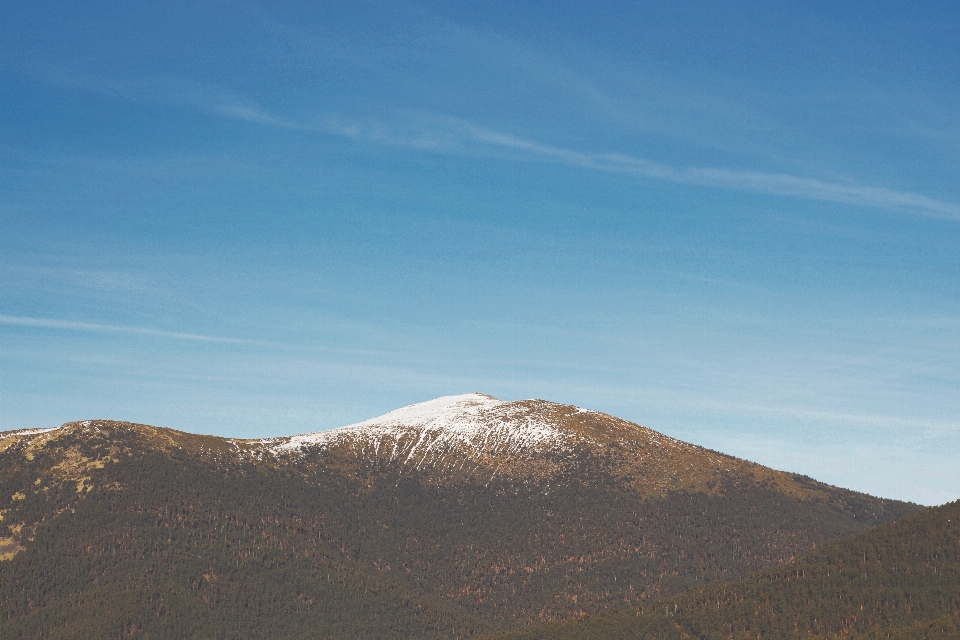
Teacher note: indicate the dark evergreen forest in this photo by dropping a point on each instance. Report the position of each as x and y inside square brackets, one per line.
[899, 581]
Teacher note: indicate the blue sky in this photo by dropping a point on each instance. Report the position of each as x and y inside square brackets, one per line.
[735, 223]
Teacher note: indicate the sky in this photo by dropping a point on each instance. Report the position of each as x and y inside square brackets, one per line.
[736, 223]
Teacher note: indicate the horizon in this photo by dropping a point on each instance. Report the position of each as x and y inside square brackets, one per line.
[86, 421]
[735, 224]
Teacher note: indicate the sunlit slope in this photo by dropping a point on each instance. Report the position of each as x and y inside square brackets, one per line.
[900, 581]
[476, 438]
[459, 516]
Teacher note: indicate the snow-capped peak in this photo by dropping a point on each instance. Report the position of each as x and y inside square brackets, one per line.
[474, 424]
[444, 412]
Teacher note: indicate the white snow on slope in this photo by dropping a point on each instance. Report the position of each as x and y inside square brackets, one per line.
[472, 423]
[28, 432]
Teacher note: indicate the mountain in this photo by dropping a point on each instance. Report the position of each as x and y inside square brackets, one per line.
[445, 519]
[900, 581]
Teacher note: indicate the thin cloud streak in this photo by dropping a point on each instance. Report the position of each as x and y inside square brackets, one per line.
[642, 402]
[753, 181]
[450, 134]
[445, 134]
[214, 99]
[698, 404]
[91, 327]
[69, 325]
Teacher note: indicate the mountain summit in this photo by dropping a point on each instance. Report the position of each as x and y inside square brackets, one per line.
[452, 517]
[474, 425]
[479, 436]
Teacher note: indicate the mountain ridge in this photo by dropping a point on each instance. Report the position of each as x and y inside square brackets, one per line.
[593, 513]
[476, 436]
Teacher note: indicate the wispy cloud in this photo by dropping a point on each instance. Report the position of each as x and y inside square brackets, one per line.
[70, 325]
[680, 406]
[752, 181]
[212, 98]
[447, 134]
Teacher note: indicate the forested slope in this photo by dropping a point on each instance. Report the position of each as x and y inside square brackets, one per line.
[121, 530]
[900, 580]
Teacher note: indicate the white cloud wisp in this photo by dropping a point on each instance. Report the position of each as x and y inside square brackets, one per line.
[751, 181]
[70, 325]
[446, 134]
